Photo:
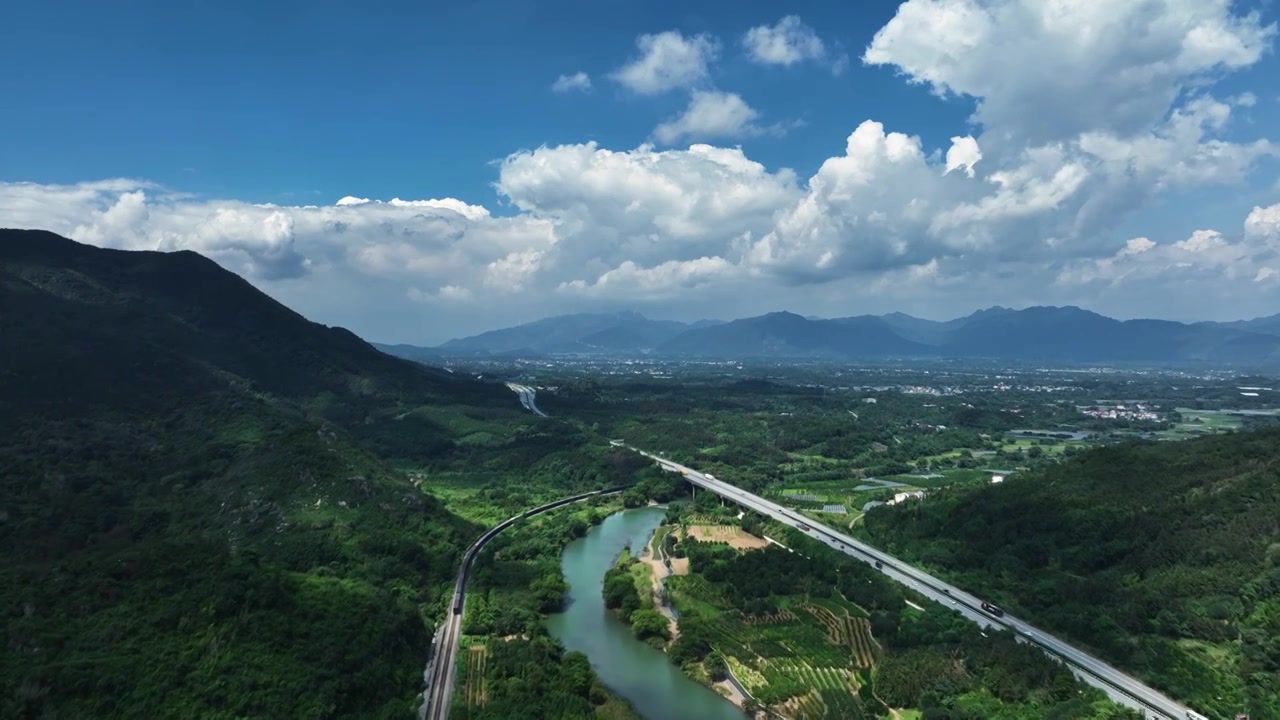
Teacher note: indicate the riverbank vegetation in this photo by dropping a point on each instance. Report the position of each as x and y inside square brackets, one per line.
[628, 592]
[1162, 558]
[534, 678]
[525, 672]
[811, 633]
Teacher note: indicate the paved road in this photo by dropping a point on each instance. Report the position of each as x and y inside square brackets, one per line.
[527, 398]
[442, 668]
[1119, 686]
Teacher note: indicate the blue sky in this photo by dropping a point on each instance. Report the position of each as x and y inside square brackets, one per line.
[1098, 143]
[270, 101]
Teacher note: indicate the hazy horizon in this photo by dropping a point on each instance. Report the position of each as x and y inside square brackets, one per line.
[833, 317]
[477, 166]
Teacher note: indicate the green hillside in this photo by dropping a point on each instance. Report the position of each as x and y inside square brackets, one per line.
[1164, 558]
[191, 521]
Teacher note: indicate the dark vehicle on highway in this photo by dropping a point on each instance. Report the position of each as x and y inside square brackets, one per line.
[803, 527]
[992, 609]
[879, 565]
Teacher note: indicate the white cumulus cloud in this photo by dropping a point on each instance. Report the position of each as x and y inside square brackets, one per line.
[1050, 69]
[578, 81]
[668, 279]
[1087, 114]
[668, 61]
[963, 154]
[1206, 256]
[712, 115]
[788, 42]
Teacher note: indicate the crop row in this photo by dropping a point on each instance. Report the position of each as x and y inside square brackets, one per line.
[752, 680]
[801, 639]
[782, 616]
[473, 692]
[865, 648]
[830, 621]
[730, 638]
[822, 677]
[829, 705]
[839, 606]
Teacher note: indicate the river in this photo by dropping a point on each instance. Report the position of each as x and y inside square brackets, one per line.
[657, 689]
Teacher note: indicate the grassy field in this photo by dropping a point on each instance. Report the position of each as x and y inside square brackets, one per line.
[1056, 447]
[950, 476]
[842, 492]
[1200, 422]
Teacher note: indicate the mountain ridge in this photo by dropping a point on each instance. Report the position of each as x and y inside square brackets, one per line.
[1036, 333]
[190, 519]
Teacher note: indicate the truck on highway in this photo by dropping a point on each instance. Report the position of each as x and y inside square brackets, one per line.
[710, 476]
[803, 527]
[992, 609]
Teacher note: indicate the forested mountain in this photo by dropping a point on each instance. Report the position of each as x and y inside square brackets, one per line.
[95, 323]
[411, 352]
[1044, 334]
[187, 527]
[786, 334]
[1269, 325]
[1164, 558]
[1050, 334]
[935, 332]
[625, 332]
[1069, 334]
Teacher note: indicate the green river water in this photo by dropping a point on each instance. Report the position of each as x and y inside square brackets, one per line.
[656, 689]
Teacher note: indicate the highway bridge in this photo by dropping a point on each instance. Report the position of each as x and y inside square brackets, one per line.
[1119, 686]
[528, 398]
[439, 675]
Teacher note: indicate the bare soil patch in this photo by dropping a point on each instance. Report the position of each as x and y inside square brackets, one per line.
[726, 688]
[734, 536]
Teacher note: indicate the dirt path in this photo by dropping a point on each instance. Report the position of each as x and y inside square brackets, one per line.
[658, 571]
[727, 689]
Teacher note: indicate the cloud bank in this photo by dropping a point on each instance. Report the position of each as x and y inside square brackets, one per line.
[1087, 112]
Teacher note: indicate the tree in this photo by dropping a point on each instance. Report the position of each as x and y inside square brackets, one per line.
[620, 592]
[577, 672]
[648, 624]
[633, 498]
[717, 667]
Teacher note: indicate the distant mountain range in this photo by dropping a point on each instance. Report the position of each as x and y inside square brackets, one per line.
[623, 333]
[1046, 334]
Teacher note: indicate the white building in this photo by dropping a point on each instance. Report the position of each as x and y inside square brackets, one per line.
[904, 496]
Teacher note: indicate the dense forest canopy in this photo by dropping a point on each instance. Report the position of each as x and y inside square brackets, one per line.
[190, 519]
[1164, 558]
